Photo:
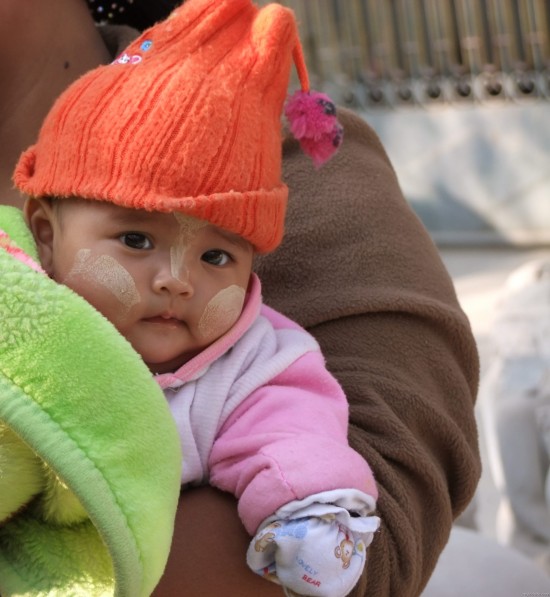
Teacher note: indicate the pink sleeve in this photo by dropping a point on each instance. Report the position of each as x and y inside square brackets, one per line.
[286, 441]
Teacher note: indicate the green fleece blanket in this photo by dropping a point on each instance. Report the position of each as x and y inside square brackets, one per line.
[87, 409]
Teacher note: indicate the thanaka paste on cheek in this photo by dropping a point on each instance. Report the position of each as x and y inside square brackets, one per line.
[107, 272]
[187, 232]
[221, 312]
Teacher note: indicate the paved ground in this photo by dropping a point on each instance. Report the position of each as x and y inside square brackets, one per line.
[478, 274]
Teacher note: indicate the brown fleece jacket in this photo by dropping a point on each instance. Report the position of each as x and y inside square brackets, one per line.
[359, 270]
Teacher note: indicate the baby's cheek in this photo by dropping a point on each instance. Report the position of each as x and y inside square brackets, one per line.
[222, 311]
[100, 279]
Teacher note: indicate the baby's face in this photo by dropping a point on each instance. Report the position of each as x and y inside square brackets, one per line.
[169, 283]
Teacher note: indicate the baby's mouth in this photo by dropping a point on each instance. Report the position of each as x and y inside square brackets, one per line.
[167, 320]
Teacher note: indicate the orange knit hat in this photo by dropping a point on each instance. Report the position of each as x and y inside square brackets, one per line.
[187, 119]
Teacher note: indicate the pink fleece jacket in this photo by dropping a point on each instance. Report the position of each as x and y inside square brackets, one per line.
[260, 416]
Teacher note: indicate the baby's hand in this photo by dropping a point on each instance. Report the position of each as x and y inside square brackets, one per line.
[316, 555]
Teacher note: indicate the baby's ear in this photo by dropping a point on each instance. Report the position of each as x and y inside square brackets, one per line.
[40, 216]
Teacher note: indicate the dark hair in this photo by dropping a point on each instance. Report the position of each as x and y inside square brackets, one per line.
[139, 14]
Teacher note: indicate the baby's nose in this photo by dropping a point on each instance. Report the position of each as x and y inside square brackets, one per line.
[176, 283]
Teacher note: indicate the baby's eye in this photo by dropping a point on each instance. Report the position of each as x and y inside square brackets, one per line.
[216, 257]
[136, 240]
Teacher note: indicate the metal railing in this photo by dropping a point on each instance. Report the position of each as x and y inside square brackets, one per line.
[370, 53]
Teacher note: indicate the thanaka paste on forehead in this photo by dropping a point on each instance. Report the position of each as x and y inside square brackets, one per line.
[189, 224]
[188, 228]
[106, 271]
[221, 312]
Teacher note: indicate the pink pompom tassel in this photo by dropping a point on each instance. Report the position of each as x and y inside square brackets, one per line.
[313, 122]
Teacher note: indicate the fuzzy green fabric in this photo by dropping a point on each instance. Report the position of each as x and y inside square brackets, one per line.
[80, 397]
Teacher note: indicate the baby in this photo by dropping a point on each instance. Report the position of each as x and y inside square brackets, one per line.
[153, 183]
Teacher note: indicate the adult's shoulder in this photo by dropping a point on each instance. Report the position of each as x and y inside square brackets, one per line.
[350, 235]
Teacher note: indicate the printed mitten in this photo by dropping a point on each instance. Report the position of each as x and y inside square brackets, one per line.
[320, 549]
